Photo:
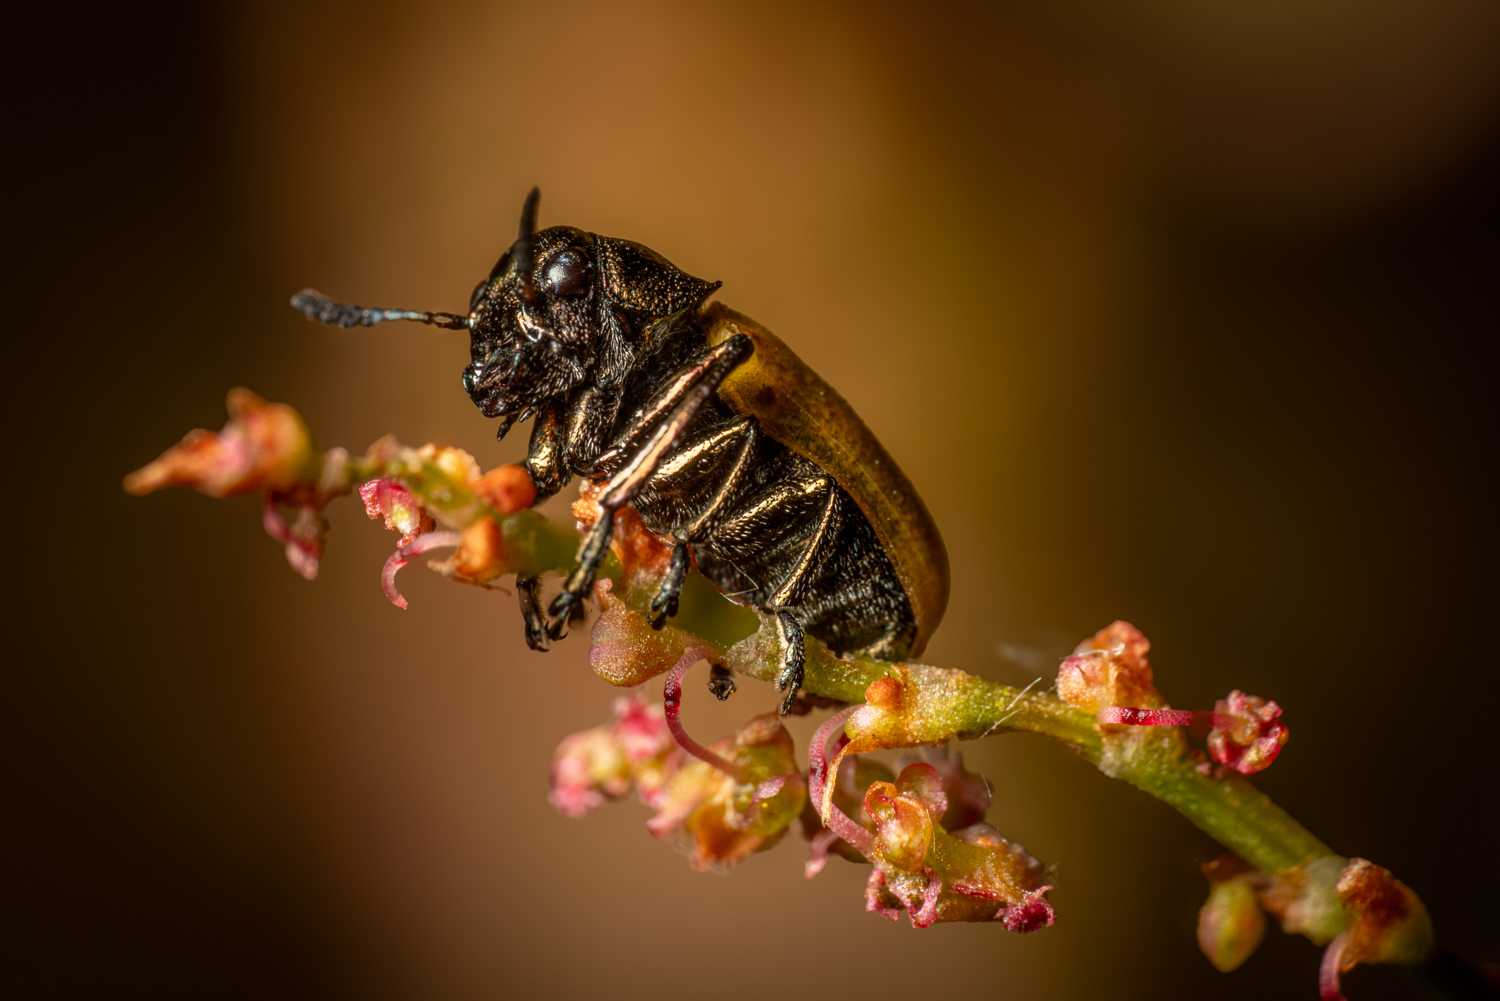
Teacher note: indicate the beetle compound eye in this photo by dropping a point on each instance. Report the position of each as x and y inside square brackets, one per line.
[568, 273]
[478, 294]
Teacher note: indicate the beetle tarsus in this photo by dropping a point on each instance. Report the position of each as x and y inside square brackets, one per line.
[720, 681]
[664, 605]
[561, 612]
[529, 591]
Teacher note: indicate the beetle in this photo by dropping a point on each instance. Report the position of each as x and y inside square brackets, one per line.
[728, 446]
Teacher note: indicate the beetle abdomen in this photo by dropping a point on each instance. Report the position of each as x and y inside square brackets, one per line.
[849, 596]
[801, 411]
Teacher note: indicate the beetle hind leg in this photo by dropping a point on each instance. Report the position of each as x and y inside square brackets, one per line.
[794, 659]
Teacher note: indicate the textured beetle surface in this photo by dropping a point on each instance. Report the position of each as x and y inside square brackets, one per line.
[612, 351]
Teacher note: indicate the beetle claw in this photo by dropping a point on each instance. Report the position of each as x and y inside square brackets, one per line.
[789, 680]
[565, 607]
[663, 607]
[536, 637]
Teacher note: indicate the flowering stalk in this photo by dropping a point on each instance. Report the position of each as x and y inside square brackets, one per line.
[921, 831]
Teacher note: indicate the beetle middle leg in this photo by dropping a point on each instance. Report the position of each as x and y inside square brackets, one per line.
[529, 591]
[672, 411]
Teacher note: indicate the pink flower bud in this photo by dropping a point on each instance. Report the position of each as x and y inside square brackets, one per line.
[717, 818]
[303, 538]
[1246, 735]
[402, 511]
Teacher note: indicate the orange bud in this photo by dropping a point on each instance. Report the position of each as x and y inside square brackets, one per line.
[481, 553]
[885, 693]
[507, 489]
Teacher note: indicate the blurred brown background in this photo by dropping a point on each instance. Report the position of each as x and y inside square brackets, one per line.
[1180, 313]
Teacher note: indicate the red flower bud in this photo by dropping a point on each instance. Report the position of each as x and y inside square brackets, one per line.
[1246, 734]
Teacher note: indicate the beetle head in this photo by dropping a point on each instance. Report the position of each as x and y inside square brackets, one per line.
[563, 307]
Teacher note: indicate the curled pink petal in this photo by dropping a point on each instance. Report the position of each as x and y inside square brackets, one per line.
[822, 793]
[817, 852]
[398, 559]
[388, 579]
[303, 540]
[1328, 972]
[672, 702]
[877, 895]
[431, 540]
[926, 915]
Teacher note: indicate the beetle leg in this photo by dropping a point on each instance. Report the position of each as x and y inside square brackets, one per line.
[591, 413]
[790, 588]
[751, 521]
[680, 402]
[787, 592]
[529, 590]
[546, 460]
[664, 605]
[789, 680]
[730, 484]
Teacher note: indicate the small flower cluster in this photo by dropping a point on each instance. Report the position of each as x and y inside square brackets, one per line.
[741, 795]
[1110, 669]
[265, 448]
[1361, 912]
[635, 753]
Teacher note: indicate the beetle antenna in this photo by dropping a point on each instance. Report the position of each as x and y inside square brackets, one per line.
[317, 306]
[523, 244]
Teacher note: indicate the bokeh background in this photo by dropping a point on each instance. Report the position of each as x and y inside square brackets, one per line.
[1175, 312]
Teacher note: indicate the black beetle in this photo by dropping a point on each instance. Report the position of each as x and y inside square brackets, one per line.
[710, 427]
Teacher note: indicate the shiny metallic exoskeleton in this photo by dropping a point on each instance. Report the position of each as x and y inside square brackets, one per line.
[728, 446]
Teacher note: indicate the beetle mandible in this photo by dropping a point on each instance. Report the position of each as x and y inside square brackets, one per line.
[725, 442]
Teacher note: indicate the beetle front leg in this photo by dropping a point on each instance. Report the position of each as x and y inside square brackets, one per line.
[570, 602]
[672, 411]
